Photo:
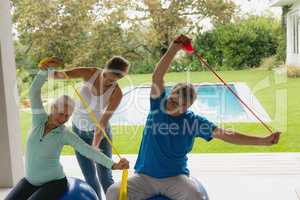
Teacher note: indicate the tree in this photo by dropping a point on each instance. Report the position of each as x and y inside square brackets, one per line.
[169, 17]
[91, 31]
[57, 28]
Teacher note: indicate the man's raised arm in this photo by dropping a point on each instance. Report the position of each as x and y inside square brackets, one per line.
[164, 64]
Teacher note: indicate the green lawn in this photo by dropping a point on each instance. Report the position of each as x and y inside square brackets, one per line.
[268, 88]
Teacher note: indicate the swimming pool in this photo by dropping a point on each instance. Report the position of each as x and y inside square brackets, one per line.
[214, 102]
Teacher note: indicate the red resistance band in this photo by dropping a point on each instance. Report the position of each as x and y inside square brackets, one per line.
[202, 60]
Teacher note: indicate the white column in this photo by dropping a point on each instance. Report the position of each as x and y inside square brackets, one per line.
[11, 163]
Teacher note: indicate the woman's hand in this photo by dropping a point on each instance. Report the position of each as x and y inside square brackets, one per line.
[122, 164]
[46, 63]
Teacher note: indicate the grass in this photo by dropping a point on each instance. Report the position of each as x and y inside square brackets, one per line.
[273, 91]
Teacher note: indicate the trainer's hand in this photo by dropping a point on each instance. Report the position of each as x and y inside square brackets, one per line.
[271, 139]
[122, 164]
[54, 62]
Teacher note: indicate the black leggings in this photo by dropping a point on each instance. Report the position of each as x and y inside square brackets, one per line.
[49, 191]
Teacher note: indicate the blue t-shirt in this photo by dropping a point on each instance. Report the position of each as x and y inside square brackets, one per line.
[168, 139]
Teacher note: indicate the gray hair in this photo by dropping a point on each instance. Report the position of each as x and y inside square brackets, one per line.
[64, 100]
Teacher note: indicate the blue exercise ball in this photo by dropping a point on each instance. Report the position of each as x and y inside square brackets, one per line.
[200, 188]
[159, 197]
[78, 190]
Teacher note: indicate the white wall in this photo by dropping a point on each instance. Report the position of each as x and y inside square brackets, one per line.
[11, 163]
[292, 58]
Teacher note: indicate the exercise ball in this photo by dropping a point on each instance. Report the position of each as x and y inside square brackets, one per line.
[159, 197]
[78, 190]
[200, 188]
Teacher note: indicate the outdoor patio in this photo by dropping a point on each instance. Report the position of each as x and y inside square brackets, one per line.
[232, 176]
[228, 176]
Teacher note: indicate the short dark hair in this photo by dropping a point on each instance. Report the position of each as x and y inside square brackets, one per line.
[186, 91]
[117, 64]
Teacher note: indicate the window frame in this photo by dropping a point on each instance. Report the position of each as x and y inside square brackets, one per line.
[294, 22]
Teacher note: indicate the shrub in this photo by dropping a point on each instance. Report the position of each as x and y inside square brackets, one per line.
[293, 71]
[270, 63]
[242, 44]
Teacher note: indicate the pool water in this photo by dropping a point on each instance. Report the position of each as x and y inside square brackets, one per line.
[217, 103]
[214, 101]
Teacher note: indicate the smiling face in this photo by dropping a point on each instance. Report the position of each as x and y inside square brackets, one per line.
[116, 68]
[110, 77]
[61, 110]
[181, 98]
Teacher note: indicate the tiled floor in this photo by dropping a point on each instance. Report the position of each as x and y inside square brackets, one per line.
[274, 176]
